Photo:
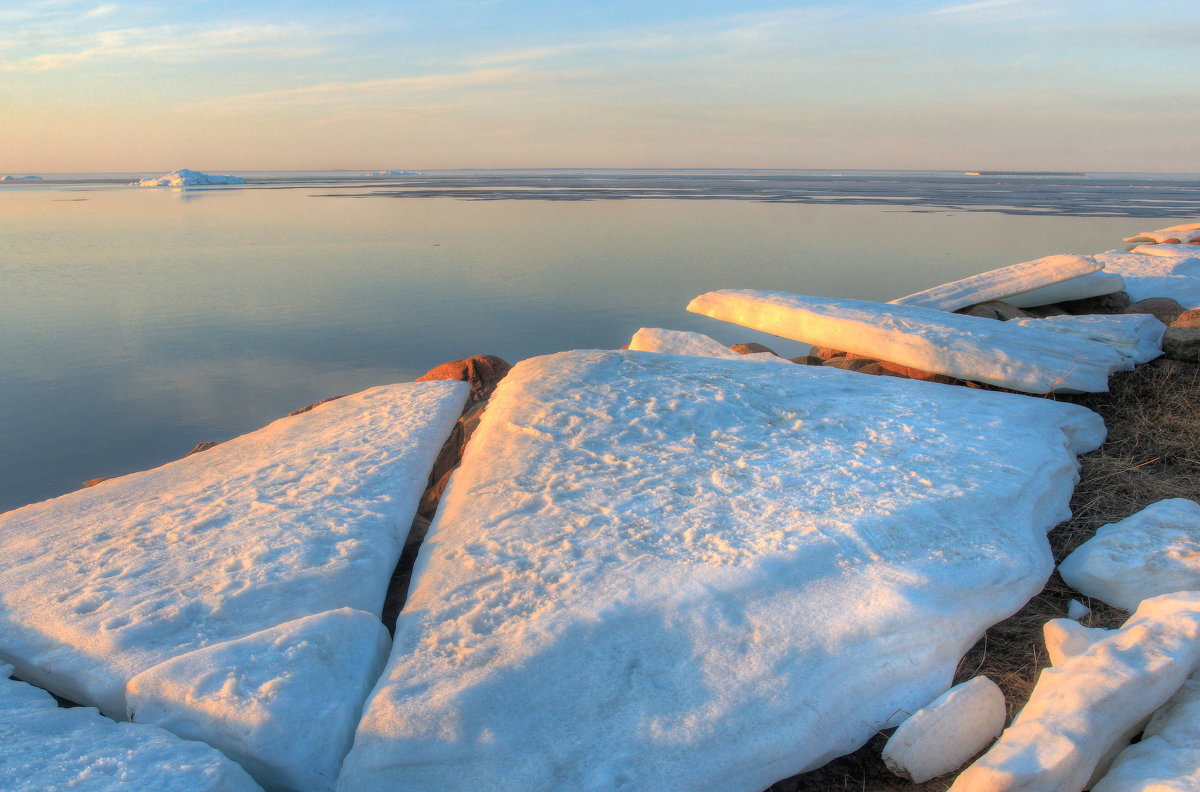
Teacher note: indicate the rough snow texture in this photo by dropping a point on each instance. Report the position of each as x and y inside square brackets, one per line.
[45, 748]
[1184, 233]
[1153, 275]
[1000, 284]
[944, 735]
[1066, 638]
[967, 347]
[1156, 551]
[283, 702]
[1167, 759]
[1093, 285]
[1093, 703]
[1138, 337]
[659, 572]
[306, 515]
[681, 342]
[188, 178]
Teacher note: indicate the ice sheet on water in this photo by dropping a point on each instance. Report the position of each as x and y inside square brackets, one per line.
[188, 178]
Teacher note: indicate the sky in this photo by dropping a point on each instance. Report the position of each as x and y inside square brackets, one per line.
[1091, 85]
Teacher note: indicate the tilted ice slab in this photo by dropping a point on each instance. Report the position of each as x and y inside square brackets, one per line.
[45, 747]
[1184, 233]
[1150, 275]
[1167, 758]
[1155, 551]
[1066, 638]
[1137, 337]
[306, 515]
[283, 702]
[1093, 285]
[968, 347]
[188, 178]
[659, 572]
[1167, 251]
[682, 342]
[999, 284]
[1094, 702]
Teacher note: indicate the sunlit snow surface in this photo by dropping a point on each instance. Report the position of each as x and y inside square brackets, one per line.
[1000, 284]
[1167, 758]
[306, 515]
[682, 342]
[657, 572]
[1158, 271]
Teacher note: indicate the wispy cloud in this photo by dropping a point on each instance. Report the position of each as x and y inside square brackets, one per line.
[990, 8]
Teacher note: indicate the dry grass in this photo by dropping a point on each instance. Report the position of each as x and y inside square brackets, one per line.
[1152, 452]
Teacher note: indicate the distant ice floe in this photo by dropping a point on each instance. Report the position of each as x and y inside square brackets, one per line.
[20, 178]
[188, 178]
[394, 173]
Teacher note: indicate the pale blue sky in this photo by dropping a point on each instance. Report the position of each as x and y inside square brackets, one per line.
[995, 84]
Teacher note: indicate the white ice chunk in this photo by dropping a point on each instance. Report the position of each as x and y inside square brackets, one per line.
[944, 735]
[1066, 638]
[968, 347]
[283, 702]
[1138, 337]
[1155, 551]
[188, 178]
[1148, 275]
[1000, 284]
[1093, 285]
[1077, 611]
[682, 342]
[306, 515]
[1094, 702]
[667, 572]
[1167, 759]
[44, 747]
[1184, 233]
[9, 178]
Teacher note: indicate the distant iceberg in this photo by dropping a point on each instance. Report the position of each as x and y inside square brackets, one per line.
[394, 173]
[188, 178]
[19, 178]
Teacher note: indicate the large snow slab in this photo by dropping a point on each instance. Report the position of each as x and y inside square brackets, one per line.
[1092, 703]
[968, 347]
[1151, 275]
[188, 178]
[45, 747]
[1184, 233]
[1167, 758]
[1000, 284]
[306, 515]
[1155, 551]
[1093, 285]
[659, 572]
[283, 702]
[1138, 337]
[941, 737]
[682, 342]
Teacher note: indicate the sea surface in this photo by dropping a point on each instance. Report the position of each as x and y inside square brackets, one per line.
[137, 322]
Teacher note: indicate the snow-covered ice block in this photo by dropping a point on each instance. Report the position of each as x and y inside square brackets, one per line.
[944, 735]
[1001, 353]
[306, 515]
[1152, 275]
[1155, 551]
[1077, 611]
[1167, 758]
[1136, 336]
[188, 178]
[1168, 251]
[1184, 233]
[1093, 285]
[1000, 284]
[1093, 703]
[666, 572]
[682, 342]
[1066, 638]
[44, 747]
[283, 702]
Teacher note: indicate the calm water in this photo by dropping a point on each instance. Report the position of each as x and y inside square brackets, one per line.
[135, 323]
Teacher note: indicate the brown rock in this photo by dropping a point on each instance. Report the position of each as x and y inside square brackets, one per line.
[993, 309]
[481, 371]
[1042, 311]
[301, 410]
[826, 353]
[203, 446]
[807, 360]
[752, 348]
[1104, 304]
[1188, 319]
[896, 370]
[450, 457]
[1182, 343]
[849, 364]
[1164, 308]
[1169, 241]
[95, 481]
